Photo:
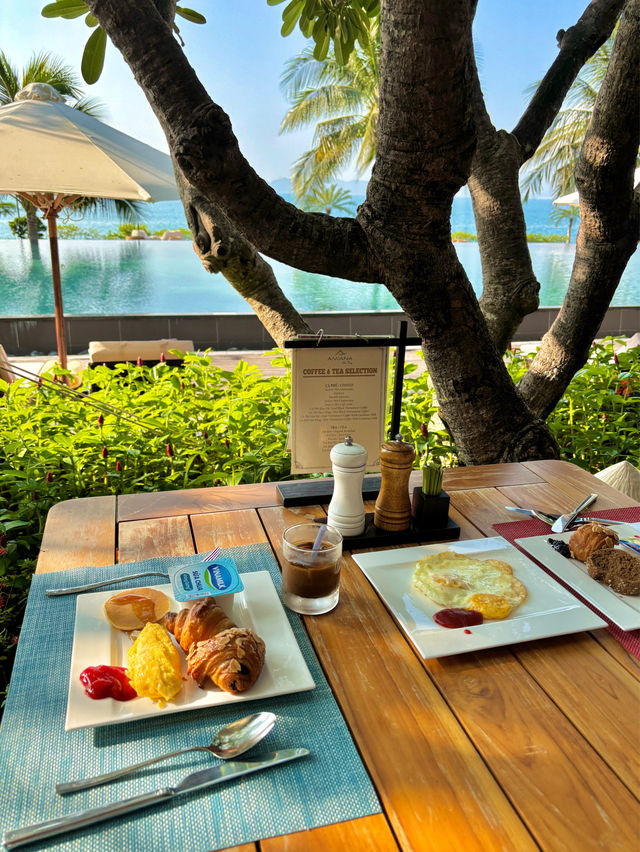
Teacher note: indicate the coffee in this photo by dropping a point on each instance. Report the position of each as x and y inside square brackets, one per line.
[308, 580]
[311, 568]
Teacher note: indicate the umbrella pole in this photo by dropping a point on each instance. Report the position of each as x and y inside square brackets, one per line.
[57, 289]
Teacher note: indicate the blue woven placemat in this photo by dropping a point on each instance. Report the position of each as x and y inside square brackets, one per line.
[330, 785]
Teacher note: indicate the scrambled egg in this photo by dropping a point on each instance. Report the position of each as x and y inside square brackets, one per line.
[154, 665]
[455, 580]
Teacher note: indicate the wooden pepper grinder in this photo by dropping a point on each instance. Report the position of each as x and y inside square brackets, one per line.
[393, 506]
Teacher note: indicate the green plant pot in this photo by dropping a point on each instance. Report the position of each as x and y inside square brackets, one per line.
[429, 511]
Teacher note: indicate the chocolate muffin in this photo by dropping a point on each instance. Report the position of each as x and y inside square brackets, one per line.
[616, 568]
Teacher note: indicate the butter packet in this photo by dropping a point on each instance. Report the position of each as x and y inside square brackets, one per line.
[205, 579]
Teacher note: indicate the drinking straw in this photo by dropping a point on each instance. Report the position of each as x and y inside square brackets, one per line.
[316, 544]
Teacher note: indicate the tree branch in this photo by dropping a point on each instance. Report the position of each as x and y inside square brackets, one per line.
[577, 44]
[206, 150]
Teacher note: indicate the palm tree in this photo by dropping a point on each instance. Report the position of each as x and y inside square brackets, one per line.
[341, 101]
[554, 161]
[324, 199]
[45, 68]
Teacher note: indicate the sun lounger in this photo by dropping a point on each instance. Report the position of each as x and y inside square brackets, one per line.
[110, 352]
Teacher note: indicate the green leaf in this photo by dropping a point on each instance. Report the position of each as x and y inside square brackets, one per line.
[65, 9]
[91, 20]
[93, 56]
[190, 15]
[274, 2]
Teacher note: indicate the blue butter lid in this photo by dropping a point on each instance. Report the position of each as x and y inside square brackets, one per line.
[207, 579]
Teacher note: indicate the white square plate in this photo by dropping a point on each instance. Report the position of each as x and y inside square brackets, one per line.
[548, 611]
[95, 642]
[622, 610]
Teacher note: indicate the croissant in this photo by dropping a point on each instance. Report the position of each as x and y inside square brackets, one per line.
[590, 538]
[202, 621]
[233, 659]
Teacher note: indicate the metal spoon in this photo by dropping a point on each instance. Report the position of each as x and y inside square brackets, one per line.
[230, 741]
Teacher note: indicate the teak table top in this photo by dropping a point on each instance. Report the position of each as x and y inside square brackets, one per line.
[532, 746]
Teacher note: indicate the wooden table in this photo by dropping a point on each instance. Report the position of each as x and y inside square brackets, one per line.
[518, 748]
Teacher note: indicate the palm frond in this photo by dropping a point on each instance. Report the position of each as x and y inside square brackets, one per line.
[9, 80]
[341, 101]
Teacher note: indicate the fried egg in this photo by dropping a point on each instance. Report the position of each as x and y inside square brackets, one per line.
[455, 580]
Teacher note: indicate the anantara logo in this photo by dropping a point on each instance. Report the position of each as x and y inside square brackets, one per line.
[341, 355]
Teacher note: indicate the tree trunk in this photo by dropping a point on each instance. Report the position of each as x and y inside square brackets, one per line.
[609, 221]
[425, 147]
[32, 227]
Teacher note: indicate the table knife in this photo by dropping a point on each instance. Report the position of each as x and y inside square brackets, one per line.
[565, 521]
[195, 781]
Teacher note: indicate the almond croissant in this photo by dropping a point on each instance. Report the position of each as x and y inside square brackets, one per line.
[233, 659]
[202, 621]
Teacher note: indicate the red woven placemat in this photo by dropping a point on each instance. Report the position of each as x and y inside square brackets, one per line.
[629, 639]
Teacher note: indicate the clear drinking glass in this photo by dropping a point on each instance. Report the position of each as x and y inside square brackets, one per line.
[311, 568]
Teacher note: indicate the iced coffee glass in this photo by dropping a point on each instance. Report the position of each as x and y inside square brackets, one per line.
[311, 568]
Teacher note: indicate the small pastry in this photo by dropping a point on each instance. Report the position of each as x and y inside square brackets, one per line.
[201, 621]
[590, 538]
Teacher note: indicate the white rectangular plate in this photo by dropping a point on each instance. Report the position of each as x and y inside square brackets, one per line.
[548, 611]
[95, 642]
[622, 610]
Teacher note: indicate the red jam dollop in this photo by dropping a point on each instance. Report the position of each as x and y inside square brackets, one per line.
[107, 682]
[456, 617]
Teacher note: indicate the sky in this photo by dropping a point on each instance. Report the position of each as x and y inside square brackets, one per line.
[239, 56]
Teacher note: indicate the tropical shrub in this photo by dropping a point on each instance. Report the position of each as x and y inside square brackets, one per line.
[19, 227]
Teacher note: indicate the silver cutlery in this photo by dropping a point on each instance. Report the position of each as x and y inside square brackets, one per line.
[550, 517]
[194, 781]
[564, 521]
[70, 590]
[231, 741]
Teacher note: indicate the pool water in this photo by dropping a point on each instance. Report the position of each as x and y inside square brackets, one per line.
[110, 277]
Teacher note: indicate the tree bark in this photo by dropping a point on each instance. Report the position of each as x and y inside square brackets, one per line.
[610, 221]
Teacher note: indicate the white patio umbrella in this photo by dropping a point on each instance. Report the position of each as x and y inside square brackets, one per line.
[53, 154]
[573, 197]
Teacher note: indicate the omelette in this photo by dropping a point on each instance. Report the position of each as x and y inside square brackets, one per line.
[455, 580]
[154, 665]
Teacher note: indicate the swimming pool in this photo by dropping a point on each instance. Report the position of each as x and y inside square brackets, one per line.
[111, 277]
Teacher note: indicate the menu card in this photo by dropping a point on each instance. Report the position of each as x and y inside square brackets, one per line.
[335, 393]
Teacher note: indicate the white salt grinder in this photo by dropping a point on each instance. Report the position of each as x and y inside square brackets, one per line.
[346, 509]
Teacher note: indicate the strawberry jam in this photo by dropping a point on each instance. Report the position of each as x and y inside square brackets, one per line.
[107, 682]
[456, 617]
